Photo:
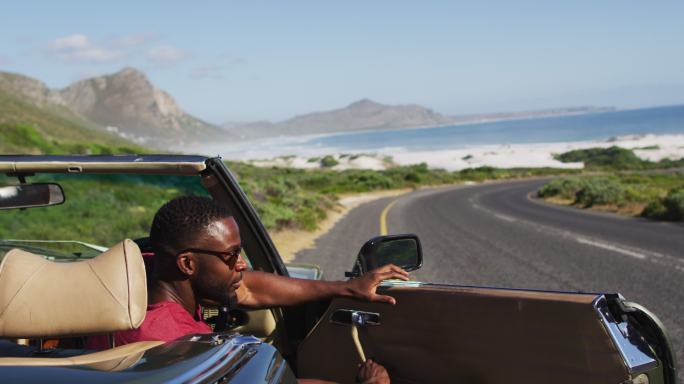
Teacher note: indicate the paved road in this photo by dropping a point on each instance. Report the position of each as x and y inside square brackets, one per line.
[496, 235]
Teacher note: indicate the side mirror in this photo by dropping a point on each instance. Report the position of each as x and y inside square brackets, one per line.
[401, 250]
[31, 195]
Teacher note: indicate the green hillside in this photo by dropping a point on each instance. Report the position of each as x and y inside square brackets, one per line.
[28, 127]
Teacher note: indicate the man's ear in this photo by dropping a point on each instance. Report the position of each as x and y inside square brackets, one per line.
[187, 263]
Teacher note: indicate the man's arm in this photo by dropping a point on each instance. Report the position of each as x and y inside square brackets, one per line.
[265, 290]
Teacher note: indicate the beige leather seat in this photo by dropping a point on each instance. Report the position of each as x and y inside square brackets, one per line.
[42, 298]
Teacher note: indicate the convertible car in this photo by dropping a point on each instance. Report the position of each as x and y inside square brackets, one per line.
[69, 271]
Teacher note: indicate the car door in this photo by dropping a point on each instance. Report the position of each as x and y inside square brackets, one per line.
[454, 334]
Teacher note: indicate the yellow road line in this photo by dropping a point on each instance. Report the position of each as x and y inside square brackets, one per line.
[383, 218]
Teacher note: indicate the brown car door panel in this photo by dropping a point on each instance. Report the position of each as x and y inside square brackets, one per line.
[443, 334]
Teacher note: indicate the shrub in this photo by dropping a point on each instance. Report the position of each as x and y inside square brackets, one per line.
[641, 193]
[655, 210]
[328, 162]
[601, 191]
[671, 207]
[613, 157]
[480, 173]
[275, 216]
[674, 203]
[412, 177]
[565, 187]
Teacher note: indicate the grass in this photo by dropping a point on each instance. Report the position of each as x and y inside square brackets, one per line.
[655, 196]
[99, 209]
[26, 139]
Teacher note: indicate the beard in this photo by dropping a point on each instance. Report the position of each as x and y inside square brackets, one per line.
[214, 291]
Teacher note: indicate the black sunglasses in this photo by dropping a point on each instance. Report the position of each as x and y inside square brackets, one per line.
[230, 257]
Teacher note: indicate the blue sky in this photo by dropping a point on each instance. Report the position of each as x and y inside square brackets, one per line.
[237, 61]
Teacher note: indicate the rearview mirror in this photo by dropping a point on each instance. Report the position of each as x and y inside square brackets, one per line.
[401, 250]
[31, 195]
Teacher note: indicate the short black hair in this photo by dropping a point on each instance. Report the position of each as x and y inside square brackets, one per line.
[180, 220]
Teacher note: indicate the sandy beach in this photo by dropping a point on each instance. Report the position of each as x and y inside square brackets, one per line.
[648, 147]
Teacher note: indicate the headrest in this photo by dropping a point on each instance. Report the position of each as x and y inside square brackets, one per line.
[104, 294]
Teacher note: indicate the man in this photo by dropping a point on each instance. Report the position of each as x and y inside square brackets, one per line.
[197, 263]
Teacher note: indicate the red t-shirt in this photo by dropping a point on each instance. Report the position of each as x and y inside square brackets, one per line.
[164, 321]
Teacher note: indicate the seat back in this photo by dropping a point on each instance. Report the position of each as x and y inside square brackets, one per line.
[41, 298]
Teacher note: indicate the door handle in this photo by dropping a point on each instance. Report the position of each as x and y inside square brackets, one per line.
[354, 317]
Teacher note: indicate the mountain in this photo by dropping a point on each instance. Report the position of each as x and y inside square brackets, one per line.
[29, 89]
[127, 103]
[34, 119]
[364, 114]
[122, 108]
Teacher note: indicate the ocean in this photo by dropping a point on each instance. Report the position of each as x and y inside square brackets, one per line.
[574, 128]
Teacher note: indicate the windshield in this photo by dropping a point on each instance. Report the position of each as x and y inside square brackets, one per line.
[99, 211]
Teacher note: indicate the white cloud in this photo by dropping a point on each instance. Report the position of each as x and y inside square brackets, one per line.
[76, 41]
[95, 54]
[130, 41]
[165, 54]
[79, 48]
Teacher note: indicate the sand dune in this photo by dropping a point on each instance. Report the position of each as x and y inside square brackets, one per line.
[649, 147]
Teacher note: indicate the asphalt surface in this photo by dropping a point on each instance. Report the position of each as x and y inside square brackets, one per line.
[496, 234]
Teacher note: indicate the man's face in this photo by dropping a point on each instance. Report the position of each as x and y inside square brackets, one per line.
[216, 280]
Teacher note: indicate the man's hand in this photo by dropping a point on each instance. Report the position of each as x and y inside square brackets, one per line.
[364, 287]
[372, 373]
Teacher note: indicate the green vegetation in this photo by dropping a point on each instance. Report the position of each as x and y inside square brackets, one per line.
[614, 158]
[103, 209]
[26, 139]
[99, 209]
[656, 196]
[328, 162]
[670, 207]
